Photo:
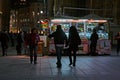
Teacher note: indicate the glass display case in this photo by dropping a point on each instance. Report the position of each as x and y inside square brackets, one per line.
[85, 28]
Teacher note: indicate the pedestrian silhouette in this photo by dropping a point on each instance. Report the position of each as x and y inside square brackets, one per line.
[4, 38]
[93, 42]
[19, 41]
[117, 37]
[33, 44]
[59, 40]
[73, 42]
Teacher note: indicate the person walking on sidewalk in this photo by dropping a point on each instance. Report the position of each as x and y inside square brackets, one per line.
[117, 37]
[19, 41]
[59, 39]
[33, 44]
[73, 42]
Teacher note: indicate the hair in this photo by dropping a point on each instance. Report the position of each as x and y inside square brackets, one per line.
[73, 29]
[32, 30]
[94, 30]
[58, 27]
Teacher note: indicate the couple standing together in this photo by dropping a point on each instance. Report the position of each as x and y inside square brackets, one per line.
[72, 41]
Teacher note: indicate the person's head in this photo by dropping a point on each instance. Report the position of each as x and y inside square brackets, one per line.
[58, 27]
[73, 29]
[33, 30]
[94, 31]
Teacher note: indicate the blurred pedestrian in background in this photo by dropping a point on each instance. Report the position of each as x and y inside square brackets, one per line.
[93, 42]
[117, 37]
[12, 38]
[4, 38]
[19, 41]
[26, 46]
[33, 45]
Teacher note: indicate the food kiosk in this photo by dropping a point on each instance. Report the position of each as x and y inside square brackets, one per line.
[102, 27]
[66, 23]
[44, 30]
[84, 28]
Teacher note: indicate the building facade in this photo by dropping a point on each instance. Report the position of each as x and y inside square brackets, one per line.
[29, 13]
[4, 14]
[27, 16]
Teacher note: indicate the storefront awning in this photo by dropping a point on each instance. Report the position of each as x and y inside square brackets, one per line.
[92, 16]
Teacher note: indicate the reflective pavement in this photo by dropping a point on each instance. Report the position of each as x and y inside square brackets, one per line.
[15, 67]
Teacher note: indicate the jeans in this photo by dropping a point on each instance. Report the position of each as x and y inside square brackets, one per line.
[33, 52]
[59, 50]
[74, 57]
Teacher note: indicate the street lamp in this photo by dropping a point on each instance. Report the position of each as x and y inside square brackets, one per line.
[41, 12]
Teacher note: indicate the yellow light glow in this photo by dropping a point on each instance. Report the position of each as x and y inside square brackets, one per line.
[100, 21]
[79, 20]
[1, 12]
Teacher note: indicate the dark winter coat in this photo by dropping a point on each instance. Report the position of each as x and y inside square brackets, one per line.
[74, 39]
[94, 37]
[59, 36]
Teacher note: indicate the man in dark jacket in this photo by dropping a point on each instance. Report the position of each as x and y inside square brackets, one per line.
[59, 39]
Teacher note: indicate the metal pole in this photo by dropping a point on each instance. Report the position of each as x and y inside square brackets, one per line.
[54, 9]
[91, 11]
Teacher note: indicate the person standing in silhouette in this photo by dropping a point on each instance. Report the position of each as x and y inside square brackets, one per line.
[4, 38]
[117, 37]
[93, 42]
[19, 41]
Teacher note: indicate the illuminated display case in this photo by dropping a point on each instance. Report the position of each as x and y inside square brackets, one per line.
[84, 27]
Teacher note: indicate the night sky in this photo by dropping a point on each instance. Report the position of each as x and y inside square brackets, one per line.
[19, 4]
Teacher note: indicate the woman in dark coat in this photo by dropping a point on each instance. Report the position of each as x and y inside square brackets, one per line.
[73, 42]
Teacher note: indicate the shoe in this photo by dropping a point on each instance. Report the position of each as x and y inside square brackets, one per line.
[70, 64]
[35, 62]
[30, 62]
[59, 65]
[74, 64]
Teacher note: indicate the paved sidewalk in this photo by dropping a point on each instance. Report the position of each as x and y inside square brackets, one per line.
[14, 67]
[87, 68]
